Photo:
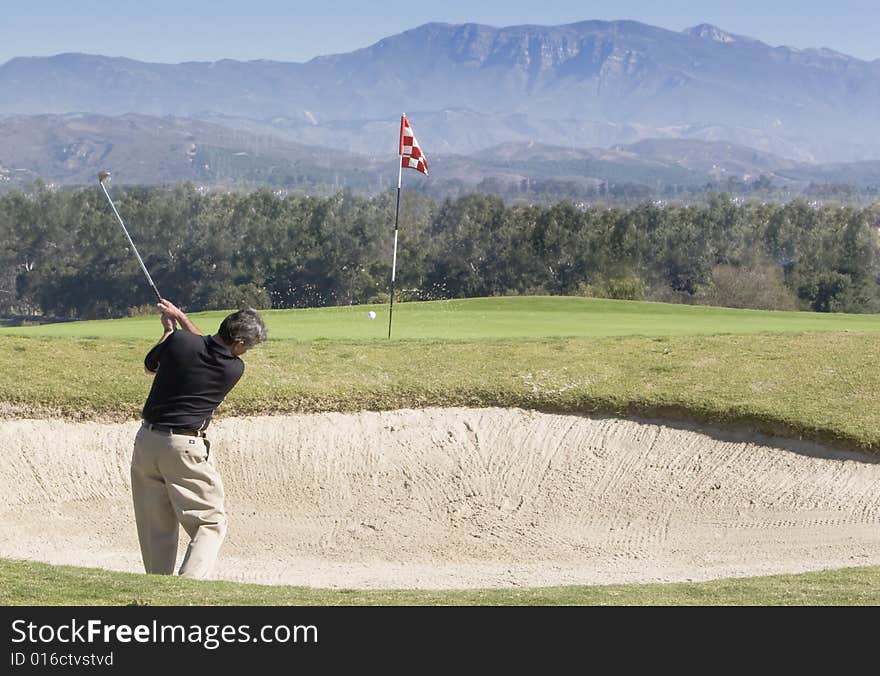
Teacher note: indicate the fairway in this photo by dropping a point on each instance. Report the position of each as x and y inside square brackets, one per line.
[493, 443]
[489, 319]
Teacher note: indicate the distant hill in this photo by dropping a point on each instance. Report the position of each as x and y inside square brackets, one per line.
[470, 87]
[144, 150]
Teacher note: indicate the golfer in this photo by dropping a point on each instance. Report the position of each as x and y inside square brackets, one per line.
[173, 479]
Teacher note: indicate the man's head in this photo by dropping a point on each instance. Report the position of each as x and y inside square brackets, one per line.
[242, 330]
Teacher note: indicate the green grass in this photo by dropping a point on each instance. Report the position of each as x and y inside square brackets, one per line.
[817, 384]
[795, 374]
[488, 319]
[27, 583]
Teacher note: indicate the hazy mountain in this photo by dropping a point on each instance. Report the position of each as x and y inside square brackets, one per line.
[468, 87]
[651, 163]
[144, 150]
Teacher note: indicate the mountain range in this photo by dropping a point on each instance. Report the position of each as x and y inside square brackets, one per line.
[466, 89]
[145, 150]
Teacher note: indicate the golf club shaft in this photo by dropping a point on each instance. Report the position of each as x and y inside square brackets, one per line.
[133, 247]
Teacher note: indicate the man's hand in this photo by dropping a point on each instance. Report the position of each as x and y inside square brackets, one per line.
[169, 309]
[169, 324]
[176, 314]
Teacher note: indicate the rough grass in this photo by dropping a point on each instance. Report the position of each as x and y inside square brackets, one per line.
[820, 386]
[28, 583]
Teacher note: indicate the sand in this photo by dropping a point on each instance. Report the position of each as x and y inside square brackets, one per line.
[459, 498]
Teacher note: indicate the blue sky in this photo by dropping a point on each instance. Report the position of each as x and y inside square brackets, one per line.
[200, 30]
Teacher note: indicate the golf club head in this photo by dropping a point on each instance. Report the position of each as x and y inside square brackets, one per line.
[103, 176]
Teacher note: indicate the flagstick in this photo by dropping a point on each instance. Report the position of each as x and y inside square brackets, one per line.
[394, 259]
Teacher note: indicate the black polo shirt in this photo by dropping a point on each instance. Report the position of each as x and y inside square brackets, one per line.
[193, 375]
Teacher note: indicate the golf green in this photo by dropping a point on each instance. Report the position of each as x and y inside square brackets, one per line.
[489, 318]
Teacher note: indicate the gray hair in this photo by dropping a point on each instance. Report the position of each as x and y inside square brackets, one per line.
[244, 326]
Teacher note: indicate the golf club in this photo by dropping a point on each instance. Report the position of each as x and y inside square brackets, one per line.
[103, 176]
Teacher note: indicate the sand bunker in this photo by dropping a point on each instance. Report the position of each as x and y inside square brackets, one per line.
[450, 498]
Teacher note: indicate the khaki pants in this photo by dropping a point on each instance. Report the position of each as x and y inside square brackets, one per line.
[173, 482]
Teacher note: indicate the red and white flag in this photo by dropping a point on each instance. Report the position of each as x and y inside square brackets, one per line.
[411, 156]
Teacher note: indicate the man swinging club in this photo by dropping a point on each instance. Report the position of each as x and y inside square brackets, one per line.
[173, 479]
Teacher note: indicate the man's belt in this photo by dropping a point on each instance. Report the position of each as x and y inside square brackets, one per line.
[174, 430]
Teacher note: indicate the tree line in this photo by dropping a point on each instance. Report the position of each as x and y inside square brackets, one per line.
[63, 255]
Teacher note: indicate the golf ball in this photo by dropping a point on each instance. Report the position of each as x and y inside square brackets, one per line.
[371, 314]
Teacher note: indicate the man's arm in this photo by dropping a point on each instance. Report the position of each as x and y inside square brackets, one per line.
[179, 315]
[151, 361]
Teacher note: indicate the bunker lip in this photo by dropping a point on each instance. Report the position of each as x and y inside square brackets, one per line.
[460, 498]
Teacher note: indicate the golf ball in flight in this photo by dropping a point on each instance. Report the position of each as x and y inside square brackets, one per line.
[371, 314]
